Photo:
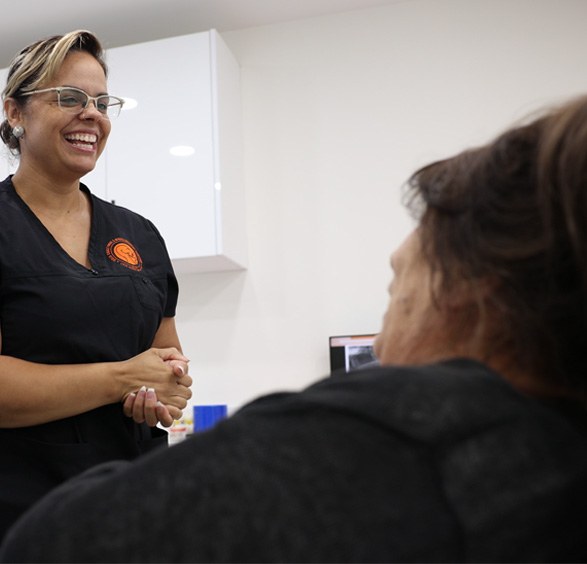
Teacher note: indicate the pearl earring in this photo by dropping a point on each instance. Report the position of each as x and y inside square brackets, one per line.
[18, 131]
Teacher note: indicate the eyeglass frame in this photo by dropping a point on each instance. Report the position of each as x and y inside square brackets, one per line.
[89, 98]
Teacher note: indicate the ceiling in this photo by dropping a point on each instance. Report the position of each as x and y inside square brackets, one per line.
[121, 22]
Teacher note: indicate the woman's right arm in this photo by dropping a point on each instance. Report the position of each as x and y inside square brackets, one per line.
[38, 393]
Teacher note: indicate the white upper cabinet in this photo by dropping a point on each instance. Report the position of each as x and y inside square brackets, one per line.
[176, 157]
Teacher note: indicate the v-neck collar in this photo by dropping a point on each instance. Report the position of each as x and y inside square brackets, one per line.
[84, 189]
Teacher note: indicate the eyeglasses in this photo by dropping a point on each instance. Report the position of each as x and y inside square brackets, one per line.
[74, 101]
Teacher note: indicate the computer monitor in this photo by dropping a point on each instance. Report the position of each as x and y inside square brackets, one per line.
[350, 352]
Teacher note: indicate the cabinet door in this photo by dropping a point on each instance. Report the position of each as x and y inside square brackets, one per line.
[170, 80]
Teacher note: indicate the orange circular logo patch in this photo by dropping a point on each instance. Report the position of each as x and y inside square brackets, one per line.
[123, 252]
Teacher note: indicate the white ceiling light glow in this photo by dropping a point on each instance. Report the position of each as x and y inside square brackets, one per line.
[182, 151]
[129, 104]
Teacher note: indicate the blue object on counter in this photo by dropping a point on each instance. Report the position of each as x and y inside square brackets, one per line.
[206, 416]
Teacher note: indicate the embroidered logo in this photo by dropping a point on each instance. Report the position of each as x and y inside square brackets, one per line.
[123, 252]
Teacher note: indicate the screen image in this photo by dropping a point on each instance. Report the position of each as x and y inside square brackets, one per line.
[349, 352]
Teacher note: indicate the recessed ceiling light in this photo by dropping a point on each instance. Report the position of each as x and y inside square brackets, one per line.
[129, 104]
[182, 151]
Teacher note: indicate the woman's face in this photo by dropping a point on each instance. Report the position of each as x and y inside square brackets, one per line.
[59, 144]
[414, 327]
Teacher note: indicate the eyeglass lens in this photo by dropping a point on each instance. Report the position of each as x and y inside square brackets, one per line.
[76, 100]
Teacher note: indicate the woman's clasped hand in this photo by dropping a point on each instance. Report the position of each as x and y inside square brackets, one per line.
[164, 391]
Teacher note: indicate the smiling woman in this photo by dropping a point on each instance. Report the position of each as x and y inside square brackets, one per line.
[57, 114]
[91, 360]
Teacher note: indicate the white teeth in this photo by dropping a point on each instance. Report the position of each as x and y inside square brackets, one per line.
[84, 137]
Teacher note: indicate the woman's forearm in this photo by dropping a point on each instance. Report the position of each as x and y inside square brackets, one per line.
[38, 393]
[35, 393]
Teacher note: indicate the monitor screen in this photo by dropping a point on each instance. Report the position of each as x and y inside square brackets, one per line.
[349, 352]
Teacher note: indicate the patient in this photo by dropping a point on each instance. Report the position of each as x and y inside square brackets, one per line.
[469, 443]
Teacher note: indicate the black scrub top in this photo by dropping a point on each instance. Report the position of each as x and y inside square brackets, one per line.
[53, 310]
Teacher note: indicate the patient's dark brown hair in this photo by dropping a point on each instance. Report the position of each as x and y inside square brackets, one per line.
[515, 212]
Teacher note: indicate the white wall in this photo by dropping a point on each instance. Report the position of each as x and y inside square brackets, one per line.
[8, 163]
[338, 112]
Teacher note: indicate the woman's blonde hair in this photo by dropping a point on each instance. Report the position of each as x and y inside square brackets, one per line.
[38, 63]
